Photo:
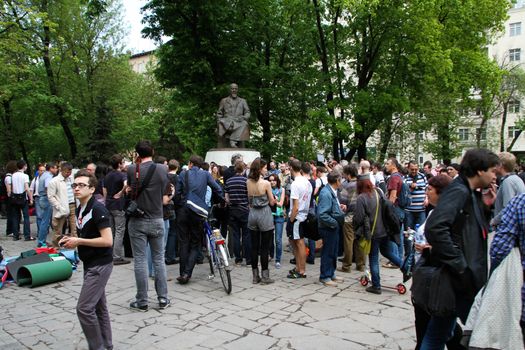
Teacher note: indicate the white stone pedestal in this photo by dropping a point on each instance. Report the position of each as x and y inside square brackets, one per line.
[223, 156]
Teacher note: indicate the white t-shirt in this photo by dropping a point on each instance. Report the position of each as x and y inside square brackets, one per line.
[301, 190]
[321, 181]
[18, 181]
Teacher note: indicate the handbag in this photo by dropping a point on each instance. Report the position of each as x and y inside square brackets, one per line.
[432, 288]
[310, 228]
[133, 210]
[18, 199]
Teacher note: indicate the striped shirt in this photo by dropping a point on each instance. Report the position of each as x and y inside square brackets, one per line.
[418, 194]
[510, 233]
[237, 191]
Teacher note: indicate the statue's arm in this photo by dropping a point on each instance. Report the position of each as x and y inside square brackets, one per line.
[246, 111]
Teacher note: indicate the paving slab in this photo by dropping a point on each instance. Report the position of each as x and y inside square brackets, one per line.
[289, 314]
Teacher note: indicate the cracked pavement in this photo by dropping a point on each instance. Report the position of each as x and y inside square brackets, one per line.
[289, 314]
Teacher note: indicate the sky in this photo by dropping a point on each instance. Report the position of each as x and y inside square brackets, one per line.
[132, 19]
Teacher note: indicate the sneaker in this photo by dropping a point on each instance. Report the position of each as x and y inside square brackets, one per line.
[296, 275]
[16, 239]
[374, 290]
[310, 261]
[28, 239]
[277, 265]
[329, 283]
[340, 269]
[292, 261]
[338, 279]
[164, 303]
[135, 306]
[120, 261]
[172, 262]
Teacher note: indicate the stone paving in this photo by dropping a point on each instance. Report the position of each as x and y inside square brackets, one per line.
[289, 314]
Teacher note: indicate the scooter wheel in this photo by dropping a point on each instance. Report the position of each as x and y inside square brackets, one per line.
[364, 281]
[401, 289]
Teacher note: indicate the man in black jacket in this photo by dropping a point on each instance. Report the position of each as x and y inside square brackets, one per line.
[457, 231]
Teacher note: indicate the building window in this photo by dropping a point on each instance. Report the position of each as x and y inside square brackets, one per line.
[513, 132]
[514, 106]
[514, 54]
[463, 134]
[515, 29]
[482, 134]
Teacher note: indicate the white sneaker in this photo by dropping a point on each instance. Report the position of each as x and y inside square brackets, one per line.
[277, 265]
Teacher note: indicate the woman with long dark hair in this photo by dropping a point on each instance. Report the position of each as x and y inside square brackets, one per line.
[260, 219]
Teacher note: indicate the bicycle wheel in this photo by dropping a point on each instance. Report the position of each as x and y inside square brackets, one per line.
[210, 259]
[226, 280]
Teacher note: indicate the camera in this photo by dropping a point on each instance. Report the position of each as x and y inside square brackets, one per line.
[133, 210]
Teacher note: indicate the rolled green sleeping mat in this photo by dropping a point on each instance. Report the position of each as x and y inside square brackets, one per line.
[44, 273]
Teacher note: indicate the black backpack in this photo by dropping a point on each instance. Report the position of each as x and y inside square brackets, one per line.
[390, 219]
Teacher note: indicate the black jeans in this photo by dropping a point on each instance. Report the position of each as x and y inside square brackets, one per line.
[190, 231]
[239, 227]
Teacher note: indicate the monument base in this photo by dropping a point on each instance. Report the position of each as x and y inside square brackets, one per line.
[223, 156]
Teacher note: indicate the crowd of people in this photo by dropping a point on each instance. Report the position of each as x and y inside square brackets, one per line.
[345, 212]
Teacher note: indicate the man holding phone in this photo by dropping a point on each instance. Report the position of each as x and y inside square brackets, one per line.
[94, 243]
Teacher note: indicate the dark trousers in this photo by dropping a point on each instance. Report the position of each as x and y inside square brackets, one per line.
[260, 245]
[190, 231]
[92, 309]
[17, 218]
[13, 218]
[241, 235]
[171, 245]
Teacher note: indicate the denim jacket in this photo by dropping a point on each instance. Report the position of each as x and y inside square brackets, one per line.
[329, 214]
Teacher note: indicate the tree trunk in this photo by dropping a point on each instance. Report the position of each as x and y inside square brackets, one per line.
[323, 55]
[502, 130]
[9, 150]
[53, 88]
[386, 136]
[26, 158]
[514, 139]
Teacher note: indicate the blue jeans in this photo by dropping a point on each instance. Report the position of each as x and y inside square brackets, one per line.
[142, 232]
[38, 213]
[16, 224]
[329, 252]
[46, 212]
[311, 249]
[400, 247]
[389, 250]
[279, 224]
[171, 245]
[439, 331]
[150, 260]
[414, 218]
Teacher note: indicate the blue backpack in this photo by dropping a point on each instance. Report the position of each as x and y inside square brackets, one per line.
[403, 198]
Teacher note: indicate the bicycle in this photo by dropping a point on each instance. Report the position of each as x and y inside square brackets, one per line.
[218, 256]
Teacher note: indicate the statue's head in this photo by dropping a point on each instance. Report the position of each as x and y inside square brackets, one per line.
[234, 89]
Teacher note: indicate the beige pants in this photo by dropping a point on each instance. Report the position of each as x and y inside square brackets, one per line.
[58, 225]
